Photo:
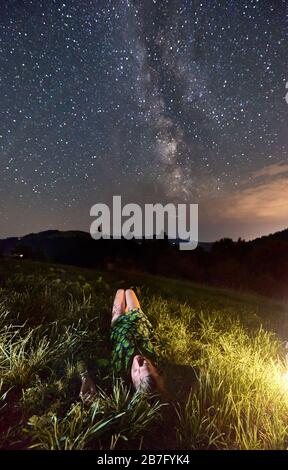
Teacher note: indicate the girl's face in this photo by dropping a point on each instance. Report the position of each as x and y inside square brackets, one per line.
[140, 369]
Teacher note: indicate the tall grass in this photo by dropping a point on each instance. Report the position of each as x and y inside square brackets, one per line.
[225, 373]
[109, 419]
[25, 352]
[241, 401]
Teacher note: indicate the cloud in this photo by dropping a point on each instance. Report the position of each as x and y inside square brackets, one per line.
[267, 201]
[271, 170]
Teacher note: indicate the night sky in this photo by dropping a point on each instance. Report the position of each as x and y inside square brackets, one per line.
[154, 100]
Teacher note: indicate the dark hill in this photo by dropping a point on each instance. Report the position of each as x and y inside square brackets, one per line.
[259, 265]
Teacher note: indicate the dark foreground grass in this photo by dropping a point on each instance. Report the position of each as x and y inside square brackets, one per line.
[222, 354]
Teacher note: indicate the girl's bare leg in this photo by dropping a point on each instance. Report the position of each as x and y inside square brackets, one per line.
[131, 300]
[118, 305]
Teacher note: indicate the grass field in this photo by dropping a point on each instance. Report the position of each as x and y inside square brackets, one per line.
[222, 354]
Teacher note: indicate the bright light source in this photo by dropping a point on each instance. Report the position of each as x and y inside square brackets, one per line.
[284, 380]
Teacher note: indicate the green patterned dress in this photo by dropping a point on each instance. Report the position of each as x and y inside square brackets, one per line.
[130, 335]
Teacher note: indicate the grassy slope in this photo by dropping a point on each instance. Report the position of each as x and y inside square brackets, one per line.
[219, 349]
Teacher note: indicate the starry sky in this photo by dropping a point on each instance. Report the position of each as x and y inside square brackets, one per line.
[154, 100]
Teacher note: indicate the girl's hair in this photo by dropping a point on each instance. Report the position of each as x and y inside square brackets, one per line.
[148, 385]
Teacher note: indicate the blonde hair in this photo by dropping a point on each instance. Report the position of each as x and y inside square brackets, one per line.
[148, 385]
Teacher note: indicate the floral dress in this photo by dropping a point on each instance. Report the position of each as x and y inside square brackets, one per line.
[130, 335]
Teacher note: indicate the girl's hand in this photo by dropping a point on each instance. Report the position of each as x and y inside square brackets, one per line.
[88, 390]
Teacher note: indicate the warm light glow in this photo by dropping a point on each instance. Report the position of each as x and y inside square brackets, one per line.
[284, 380]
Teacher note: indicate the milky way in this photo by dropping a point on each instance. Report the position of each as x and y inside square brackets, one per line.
[158, 101]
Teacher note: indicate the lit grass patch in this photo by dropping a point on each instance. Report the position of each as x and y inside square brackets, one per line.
[241, 401]
[25, 352]
[224, 371]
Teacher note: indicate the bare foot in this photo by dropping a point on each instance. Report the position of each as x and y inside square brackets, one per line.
[131, 299]
[118, 305]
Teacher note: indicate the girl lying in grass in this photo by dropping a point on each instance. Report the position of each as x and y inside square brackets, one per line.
[133, 355]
